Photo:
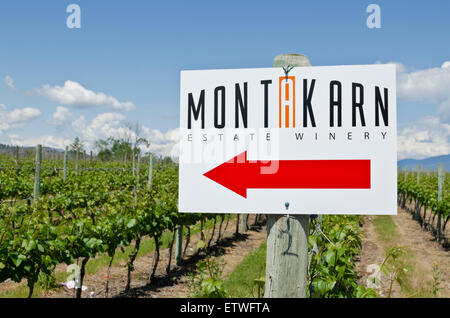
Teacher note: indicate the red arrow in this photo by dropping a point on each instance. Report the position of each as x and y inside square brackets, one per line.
[239, 174]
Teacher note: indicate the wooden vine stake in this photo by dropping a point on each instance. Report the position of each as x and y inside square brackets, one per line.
[66, 152]
[417, 209]
[243, 223]
[77, 153]
[419, 171]
[441, 176]
[138, 164]
[179, 245]
[134, 166]
[37, 175]
[150, 171]
[287, 236]
[17, 159]
[138, 168]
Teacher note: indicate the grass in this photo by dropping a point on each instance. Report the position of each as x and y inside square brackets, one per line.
[241, 282]
[147, 246]
[414, 285]
[386, 228]
[102, 261]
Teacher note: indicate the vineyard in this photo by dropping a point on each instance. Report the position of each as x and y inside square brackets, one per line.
[96, 210]
[77, 212]
[427, 197]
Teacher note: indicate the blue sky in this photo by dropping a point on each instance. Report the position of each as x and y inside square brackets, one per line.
[133, 51]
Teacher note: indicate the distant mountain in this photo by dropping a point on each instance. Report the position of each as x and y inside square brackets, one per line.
[29, 151]
[427, 163]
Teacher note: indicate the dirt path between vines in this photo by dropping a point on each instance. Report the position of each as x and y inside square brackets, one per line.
[233, 248]
[424, 252]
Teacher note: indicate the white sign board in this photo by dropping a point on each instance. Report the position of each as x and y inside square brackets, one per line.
[321, 140]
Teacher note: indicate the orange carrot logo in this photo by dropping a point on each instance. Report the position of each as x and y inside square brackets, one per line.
[287, 101]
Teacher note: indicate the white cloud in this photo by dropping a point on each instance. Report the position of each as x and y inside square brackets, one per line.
[107, 125]
[429, 136]
[114, 125]
[10, 82]
[446, 64]
[60, 117]
[13, 118]
[425, 138]
[164, 144]
[75, 95]
[102, 126]
[45, 141]
[156, 136]
[22, 115]
[431, 85]
[79, 124]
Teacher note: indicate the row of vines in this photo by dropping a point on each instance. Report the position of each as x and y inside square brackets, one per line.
[104, 208]
[93, 213]
[429, 203]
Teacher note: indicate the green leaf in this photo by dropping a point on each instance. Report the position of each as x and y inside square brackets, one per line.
[19, 260]
[330, 256]
[131, 223]
[201, 244]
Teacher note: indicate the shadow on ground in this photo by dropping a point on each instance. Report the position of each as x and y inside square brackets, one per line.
[188, 265]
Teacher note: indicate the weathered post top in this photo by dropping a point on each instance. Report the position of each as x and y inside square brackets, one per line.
[282, 60]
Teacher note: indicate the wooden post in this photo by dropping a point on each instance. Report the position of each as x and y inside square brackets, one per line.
[37, 175]
[287, 236]
[179, 245]
[66, 152]
[406, 173]
[138, 167]
[419, 171]
[17, 158]
[84, 159]
[243, 223]
[287, 256]
[417, 208]
[441, 176]
[150, 171]
[76, 161]
[134, 156]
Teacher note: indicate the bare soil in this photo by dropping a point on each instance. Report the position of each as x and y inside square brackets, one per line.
[420, 242]
[424, 253]
[233, 248]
